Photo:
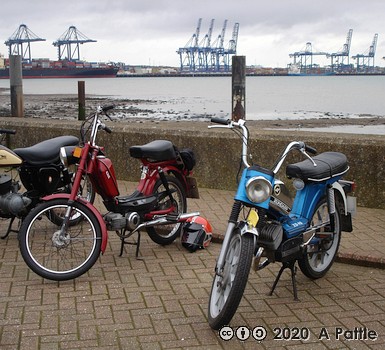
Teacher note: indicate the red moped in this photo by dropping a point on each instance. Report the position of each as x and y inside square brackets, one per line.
[58, 248]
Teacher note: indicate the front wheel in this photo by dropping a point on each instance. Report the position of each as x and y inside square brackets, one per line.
[229, 284]
[166, 234]
[320, 255]
[58, 255]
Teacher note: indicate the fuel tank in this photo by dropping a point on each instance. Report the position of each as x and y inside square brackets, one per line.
[8, 157]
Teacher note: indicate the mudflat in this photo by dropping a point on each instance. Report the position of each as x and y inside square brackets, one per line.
[65, 107]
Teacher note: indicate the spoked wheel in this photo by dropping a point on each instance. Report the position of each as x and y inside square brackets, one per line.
[228, 285]
[166, 234]
[58, 255]
[320, 255]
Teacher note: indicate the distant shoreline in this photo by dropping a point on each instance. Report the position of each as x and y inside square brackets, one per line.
[65, 106]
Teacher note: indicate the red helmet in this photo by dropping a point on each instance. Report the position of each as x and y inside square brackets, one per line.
[196, 233]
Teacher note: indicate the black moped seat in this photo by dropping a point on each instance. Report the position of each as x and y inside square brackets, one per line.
[157, 150]
[45, 152]
[329, 164]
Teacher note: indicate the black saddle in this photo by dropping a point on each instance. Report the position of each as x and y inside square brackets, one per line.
[329, 164]
[157, 150]
[45, 152]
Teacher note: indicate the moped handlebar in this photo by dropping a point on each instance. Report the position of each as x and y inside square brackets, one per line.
[229, 124]
[107, 108]
[222, 121]
[241, 124]
[7, 131]
[106, 128]
[310, 149]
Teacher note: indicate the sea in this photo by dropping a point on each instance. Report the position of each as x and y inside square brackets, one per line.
[267, 97]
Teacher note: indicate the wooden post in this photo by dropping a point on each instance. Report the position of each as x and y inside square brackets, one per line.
[82, 100]
[16, 84]
[238, 83]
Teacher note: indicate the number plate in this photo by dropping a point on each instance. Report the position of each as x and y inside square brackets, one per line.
[253, 218]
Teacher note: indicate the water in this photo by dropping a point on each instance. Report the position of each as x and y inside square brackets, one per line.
[266, 97]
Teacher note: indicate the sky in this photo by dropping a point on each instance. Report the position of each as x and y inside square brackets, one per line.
[149, 32]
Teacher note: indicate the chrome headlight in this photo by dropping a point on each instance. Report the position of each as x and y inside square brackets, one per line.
[70, 155]
[63, 156]
[258, 189]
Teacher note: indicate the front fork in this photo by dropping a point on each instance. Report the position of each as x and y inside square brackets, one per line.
[233, 219]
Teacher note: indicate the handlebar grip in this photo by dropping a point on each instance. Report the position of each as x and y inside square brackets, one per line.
[310, 149]
[7, 131]
[107, 108]
[107, 129]
[220, 121]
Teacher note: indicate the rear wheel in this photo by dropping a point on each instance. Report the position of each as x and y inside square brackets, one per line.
[57, 255]
[166, 234]
[228, 285]
[320, 255]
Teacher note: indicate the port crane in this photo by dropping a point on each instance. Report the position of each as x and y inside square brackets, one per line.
[204, 48]
[205, 55]
[232, 49]
[69, 39]
[217, 50]
[340, 59]
[188, 53]
[19, 43]
[304, 58]
[365, 61]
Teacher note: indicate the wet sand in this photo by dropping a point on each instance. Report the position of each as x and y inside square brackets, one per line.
[66, 107]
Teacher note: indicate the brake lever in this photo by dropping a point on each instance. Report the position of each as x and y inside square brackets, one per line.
[105, 113]
[308, 156]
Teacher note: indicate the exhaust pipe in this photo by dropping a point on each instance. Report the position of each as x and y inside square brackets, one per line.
[165, 220]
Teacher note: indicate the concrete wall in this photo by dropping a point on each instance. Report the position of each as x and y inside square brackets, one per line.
[218, 151]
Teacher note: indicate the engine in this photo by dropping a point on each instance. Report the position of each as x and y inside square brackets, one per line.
[14, 203]
[117, 221]
[11, 202]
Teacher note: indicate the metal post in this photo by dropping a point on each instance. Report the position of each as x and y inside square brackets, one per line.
[82, 100]
[238, 88]
[16, 84]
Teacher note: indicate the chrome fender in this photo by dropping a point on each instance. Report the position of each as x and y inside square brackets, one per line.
[337, 186]
[246, 228]
[93, 210]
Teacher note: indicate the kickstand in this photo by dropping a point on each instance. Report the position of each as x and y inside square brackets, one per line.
[287, 265]
[9, 230]
[123, 242]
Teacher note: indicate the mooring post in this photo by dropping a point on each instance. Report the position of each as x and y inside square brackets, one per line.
[16, 85]
[82, 100]
[238, 83]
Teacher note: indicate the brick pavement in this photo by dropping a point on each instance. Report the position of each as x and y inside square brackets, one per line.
[160, 302]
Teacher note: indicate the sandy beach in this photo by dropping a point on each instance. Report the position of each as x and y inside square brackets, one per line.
[66, 107]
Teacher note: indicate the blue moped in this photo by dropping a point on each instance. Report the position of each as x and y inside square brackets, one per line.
[265, 226]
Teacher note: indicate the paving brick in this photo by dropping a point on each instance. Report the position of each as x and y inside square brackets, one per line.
[161, 301]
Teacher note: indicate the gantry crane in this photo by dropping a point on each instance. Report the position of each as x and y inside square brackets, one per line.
[365, 61]
[207, 56]
[217, 50]
[72, 37]
[188, 53]
[340, 59]
[205, 48]
[232, 49]
[16, 43]
[304, 58]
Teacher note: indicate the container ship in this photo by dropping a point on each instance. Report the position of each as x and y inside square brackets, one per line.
[45, 68]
